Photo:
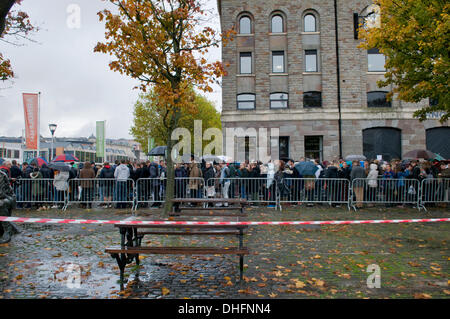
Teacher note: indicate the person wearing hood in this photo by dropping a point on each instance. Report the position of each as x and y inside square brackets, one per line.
[60, 187]
[121, 174]
[372, 182]
[87, 172]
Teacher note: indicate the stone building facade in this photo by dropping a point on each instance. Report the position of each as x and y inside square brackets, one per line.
[283, 73]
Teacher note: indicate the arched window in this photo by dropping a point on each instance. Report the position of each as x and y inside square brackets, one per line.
[279, 100]
[245, 25]
[437, 141]
[309, 23]
[277, 24]
[246, 101]
[378, 99]
[374, 143]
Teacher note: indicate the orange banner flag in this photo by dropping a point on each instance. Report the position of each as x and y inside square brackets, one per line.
[31, 111]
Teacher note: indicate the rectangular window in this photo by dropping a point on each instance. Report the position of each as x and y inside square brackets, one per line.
[378, 99]
[311, 61]
[279, 100]
[278, 62]
[16, 154]
[245, 62]
[312, 99]
[375, 61]
[246, 101]
[284, 147]
[314, 147]
[8, 154]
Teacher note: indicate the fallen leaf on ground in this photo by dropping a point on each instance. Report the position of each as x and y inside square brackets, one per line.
[165, 291]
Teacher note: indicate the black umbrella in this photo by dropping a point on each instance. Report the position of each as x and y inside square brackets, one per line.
[59, 166]
[158, 151]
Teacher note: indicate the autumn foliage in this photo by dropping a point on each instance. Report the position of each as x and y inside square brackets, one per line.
[16, 27]
[414, 35]
[164, 44]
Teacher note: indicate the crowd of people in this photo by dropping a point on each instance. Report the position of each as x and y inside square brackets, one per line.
[112, 184]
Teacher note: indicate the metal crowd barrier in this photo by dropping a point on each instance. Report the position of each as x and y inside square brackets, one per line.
[255, 190]
[108, 191]
[41, 191]
[311, 190]
[385, 191]
[434, 191]
[152, 191]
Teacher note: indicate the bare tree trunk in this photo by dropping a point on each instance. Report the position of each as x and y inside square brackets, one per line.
[5, 6]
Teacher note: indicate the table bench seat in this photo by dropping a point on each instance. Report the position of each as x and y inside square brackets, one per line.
[177, 250]
[193, 232]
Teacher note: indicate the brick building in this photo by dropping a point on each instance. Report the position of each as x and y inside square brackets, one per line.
[284, 72]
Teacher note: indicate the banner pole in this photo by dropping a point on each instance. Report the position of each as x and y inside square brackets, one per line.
[39, 126]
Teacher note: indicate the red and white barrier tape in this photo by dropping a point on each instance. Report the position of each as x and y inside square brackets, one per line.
[148, 222]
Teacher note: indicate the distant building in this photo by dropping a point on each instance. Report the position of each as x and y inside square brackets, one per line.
[13, 148]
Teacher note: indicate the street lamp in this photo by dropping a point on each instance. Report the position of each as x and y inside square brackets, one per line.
[52, 128]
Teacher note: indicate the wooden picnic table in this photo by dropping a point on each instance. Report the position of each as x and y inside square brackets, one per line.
[131, 242]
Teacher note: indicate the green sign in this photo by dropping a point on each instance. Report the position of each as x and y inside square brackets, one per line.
[100, 143]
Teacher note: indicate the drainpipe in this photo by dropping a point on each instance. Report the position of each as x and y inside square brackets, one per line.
[338, 78]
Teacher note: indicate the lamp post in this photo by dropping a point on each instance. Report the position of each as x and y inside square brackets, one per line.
[52, 128]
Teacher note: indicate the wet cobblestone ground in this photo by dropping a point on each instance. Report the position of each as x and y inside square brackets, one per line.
[284, 261]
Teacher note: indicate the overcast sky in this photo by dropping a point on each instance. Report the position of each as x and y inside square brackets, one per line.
[77, 88]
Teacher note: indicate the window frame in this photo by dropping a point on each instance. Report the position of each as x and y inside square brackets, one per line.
[320, 150]
[309, 52]
[312, 92]
[245, 54]
[288, 146]
[246, 101]
[387, 101]
[240, 24]
[315, 22]
[277, 53]
[279, 100]
[277, 15]
[372, 52]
